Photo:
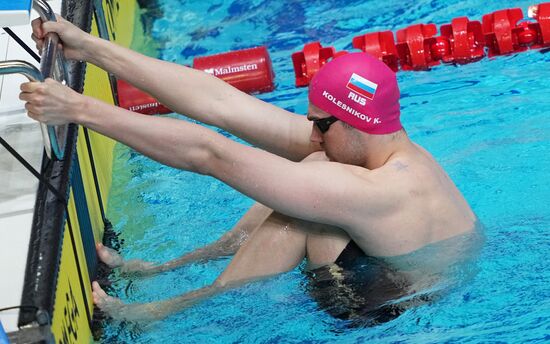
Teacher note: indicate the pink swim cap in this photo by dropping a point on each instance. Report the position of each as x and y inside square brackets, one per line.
[360, 90]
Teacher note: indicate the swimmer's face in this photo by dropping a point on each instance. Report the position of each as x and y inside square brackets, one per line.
[341, 143]
[320, 126]
[326, 131]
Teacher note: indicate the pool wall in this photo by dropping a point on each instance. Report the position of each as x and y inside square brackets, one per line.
[62, 263]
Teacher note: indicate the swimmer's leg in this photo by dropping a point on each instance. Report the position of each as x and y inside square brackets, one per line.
[227, 245]
[147, 311]
[274, 248]
[278, 246]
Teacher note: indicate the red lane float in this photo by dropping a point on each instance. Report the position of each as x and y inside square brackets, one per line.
[462, 41]
[465, 40]
[379, 44]
[501, 31]
[249, 70]
[414, 46]
[308, 61]
[541, 13]
[134, 99]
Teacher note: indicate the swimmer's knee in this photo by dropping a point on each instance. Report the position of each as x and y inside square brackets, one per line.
[219, 283]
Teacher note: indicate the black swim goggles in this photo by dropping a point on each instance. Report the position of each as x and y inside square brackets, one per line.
[324, 123]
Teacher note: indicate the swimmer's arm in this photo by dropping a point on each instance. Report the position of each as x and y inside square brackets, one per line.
[323, 192]
[190, 92]
[317, 191]
[209, 100]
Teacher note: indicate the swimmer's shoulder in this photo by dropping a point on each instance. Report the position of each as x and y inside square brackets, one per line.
[358, 171]
[320, 156]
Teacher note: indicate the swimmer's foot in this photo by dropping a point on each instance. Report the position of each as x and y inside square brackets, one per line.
[114, 260]
[108, 256]
[136, 267]
[118, 310]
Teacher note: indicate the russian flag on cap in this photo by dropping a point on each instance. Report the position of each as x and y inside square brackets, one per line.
[362, 86]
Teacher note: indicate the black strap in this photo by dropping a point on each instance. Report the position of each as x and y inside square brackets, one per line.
[31, 169]
[22, 44]
[18, 307]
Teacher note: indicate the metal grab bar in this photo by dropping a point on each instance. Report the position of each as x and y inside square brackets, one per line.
[52, 65]
[33, 74]
[21, 67]
[50, 53]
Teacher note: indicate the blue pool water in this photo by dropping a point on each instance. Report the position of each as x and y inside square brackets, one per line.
[487, 123]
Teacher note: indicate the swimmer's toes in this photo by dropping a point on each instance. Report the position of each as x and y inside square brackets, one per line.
[97, 288]
[118, 310]
[108, 256]
[99, 295]
[108, 304]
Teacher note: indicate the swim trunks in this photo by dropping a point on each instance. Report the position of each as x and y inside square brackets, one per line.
[350, 254]
[358, 288]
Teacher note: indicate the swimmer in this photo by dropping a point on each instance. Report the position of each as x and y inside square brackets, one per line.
[343, 183]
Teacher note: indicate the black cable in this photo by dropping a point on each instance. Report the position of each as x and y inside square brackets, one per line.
[17, 307]
[31, 169]
[22, 44]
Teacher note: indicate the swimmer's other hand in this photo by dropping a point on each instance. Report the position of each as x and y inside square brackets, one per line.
[51, 102]
[73, 40]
